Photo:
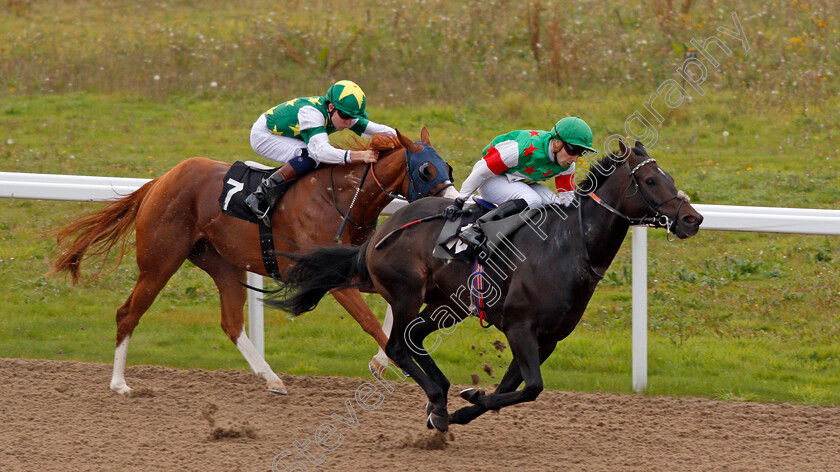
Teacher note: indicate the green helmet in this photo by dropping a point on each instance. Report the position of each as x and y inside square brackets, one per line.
[348, 97]
[575, 131]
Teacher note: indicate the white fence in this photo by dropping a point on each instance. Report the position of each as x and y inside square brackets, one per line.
[716, 217]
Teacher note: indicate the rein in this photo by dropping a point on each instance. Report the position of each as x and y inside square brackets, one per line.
[382, 187]
[335, 205]
[388, 193]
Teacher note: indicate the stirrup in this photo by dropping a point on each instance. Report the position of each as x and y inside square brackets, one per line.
[254, 204]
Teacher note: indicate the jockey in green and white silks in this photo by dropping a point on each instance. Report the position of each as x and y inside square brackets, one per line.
[306, 123]
[513, 163]
[297, 133]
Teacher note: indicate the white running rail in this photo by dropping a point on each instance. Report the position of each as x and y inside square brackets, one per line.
[715, 217]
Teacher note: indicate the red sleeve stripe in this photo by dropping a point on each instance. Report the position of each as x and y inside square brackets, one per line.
[565, 182]
[494, 161]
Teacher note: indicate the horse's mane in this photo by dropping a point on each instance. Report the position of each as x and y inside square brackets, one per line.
[379, 142]
[602, 169]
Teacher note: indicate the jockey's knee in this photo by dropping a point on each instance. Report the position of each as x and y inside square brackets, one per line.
[533, 201]
[303, 164]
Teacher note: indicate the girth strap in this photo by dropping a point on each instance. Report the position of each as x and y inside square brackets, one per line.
[267, 247]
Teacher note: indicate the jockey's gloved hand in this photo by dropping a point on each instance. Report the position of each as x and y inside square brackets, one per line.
[452, 212]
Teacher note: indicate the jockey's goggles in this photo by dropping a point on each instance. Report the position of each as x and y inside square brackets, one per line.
[574, 150]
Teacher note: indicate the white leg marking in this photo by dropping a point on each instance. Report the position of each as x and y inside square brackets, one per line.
[258, 364]
[381, 358]
[118, 378]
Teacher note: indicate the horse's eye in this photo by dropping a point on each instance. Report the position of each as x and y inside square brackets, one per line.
[650, 181]
[426, 172]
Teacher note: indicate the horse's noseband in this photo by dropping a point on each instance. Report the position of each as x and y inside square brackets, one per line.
[658, 220]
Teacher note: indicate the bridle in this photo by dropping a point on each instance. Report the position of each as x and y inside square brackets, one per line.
[658, 220]
[411, 183]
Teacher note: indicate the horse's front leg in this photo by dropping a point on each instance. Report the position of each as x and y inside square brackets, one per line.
[352, 301]
[526, 354]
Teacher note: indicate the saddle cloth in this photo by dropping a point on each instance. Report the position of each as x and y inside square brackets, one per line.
[450, 247]
[239, 182]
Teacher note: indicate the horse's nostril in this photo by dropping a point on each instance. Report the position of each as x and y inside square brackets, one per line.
[692, 220]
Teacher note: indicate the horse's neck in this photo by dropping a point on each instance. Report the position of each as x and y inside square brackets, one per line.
[389, 171]
[603, 231]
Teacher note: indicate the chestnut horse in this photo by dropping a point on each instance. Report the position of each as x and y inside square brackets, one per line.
[177, 217]
[535, 291]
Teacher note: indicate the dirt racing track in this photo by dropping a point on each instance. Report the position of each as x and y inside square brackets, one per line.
[61, 416]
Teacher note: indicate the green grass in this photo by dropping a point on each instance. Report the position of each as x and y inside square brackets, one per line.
[735, 316]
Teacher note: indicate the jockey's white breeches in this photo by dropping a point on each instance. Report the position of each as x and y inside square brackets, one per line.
[498, 189]
[273, 146]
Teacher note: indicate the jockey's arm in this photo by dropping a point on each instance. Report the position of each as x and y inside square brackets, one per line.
[479, 174]
[314, 133]
[565, 184]
[496, 160]
[375, 128]
[323, 152]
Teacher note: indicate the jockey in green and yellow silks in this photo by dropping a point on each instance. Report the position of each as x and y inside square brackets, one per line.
[297, 132]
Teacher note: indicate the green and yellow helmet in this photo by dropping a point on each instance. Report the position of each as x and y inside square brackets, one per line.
[348, 97]
[575, 131]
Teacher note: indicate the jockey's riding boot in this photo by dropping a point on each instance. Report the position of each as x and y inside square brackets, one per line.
[473, 235]
[264, 197]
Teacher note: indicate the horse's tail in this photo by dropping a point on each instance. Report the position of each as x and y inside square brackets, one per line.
[316, 273]
[96, 234]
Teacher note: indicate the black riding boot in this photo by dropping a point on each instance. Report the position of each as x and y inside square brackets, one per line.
[473, 235]
[264, 197]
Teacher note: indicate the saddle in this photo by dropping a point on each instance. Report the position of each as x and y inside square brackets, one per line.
[497, 223]
[239, 182]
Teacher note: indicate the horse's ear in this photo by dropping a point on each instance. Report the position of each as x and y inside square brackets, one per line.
[424, 136]
[408, 144]
[625, 151]
[641, 146]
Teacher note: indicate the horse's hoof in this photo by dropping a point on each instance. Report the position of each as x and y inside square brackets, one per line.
[121, 389]
[472, 394]
[377, 365]
[438, 423]
[277, 387]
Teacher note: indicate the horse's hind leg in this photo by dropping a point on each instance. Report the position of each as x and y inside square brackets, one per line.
[149, 284]
[352, 301]
[406, 319]
[526, 351]
[438, 415]
[509, 383]
[232, 297]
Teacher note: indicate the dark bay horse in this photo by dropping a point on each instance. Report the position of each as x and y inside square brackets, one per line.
[177, 217]
[535, 292]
